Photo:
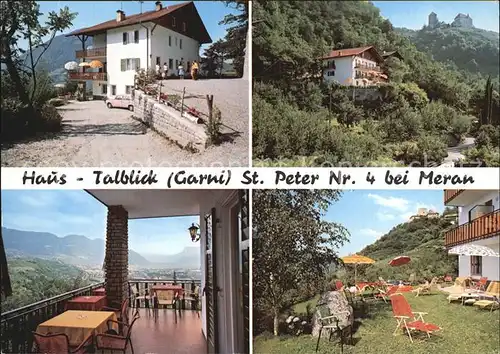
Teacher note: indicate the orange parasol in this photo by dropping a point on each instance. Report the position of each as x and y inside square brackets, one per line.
[96, 64]
[357, 259]
[400, 260]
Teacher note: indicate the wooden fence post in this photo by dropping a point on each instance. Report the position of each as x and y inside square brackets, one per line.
[182, 101]
[210, 103]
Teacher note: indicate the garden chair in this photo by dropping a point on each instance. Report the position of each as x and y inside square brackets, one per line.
[194, 299]
[108, 341]
[335, 323]
[123, 313]
[58, 343]
[385, 294]
[480, 285]
[425, 288]
[166, 298]
[485, 303]
[409, 320]
[137, 295]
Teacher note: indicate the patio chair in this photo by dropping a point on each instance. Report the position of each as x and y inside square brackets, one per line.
[333, 322]
[137, 295]
[166, 298]
[425, 288]
[385, 294]
[57, 343]
[123, 312]
[480, 285]
[107, 341]
[409, 320]
[194, 298]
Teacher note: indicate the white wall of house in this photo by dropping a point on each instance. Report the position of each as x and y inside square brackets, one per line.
[166, 44]
[490, 265]
[99, 41]
[463, 212]
[343, 72]
[222, 201]
[116, 51]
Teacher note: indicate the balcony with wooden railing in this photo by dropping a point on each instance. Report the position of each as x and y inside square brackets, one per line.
[91, 53]
[485, 226]
[449, 194]
[88, 76]
[155, 330]
[362, 67]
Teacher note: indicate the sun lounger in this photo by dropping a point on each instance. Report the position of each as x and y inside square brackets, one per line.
[409, 320]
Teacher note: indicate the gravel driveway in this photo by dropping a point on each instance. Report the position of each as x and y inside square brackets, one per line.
[94, 135]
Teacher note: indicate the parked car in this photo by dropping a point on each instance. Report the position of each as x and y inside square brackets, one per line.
[120, 101]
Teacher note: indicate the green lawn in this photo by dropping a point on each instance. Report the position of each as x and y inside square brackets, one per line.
[465, 329]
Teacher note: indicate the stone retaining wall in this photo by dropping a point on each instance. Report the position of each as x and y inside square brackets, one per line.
[168, 122]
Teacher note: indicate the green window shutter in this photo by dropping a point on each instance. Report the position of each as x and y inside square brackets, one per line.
[137, 63]
[124, 64]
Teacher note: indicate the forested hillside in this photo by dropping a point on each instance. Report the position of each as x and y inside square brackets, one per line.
[35, 279]
[297, 120]
[471, 49]
[422, 240]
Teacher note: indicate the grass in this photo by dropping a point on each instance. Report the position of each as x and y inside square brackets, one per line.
[465, 329]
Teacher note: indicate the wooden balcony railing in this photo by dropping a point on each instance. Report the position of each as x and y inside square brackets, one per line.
[368, 68]
[143, 287]
[16, 325]
[449, 194]
[88, 76]
[91, 53]
[483, 227]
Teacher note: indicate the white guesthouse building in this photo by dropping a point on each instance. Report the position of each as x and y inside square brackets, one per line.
[171, 35]
[354, 67]
[478, 223]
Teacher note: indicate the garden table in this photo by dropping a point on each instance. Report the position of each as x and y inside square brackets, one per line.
[88, 303]
[77, 325]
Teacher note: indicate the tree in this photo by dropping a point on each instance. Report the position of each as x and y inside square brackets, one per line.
[486, 116]
[213, 59]
[20, 21]
[293, 246]
[236, 36]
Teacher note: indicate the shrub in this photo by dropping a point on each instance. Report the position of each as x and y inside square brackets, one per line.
[425, 151]
[486, 154]
[488, 135]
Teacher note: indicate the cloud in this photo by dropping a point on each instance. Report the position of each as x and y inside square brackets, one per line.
[371, 233]
[385, 216]
[399, 204]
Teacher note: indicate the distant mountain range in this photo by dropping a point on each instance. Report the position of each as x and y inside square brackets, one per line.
[80, 250]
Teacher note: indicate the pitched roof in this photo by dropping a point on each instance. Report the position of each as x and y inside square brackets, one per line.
[340, 53]
[135, 19]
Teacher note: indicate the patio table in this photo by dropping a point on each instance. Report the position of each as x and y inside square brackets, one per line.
[99, 292]
[77, 325]
[470, 298]
[177, 288]
[88, 303]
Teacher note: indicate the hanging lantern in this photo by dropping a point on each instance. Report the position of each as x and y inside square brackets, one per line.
[193, 232]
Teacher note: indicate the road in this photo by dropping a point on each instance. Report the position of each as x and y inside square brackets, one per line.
[455, 152]
[93, 135]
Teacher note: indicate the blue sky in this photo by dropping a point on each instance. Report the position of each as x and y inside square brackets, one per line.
[413, 14]
[77, 212]
[91, 13]
[368, 215]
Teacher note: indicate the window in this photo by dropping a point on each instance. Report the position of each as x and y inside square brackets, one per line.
[169, 41]
[125, 38]
[136, 36]
[171, 63]
[184, 27]
[331, 73]
[180, 43]
[176, 63]
[173, 21]
[104, 89]
[128, 89]
[176, 41]
[158, 61]
[476, 265]
[130, 64]
[113, 90]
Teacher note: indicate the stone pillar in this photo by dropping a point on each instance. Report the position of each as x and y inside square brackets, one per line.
[116, 258]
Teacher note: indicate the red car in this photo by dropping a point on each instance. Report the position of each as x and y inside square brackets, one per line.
[120, 101]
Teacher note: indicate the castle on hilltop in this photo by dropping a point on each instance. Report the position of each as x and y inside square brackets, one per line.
[461, 20]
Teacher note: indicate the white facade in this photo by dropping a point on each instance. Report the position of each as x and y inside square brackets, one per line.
[490, 266]
[154, 43]
[349, 70]
[171, 47]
